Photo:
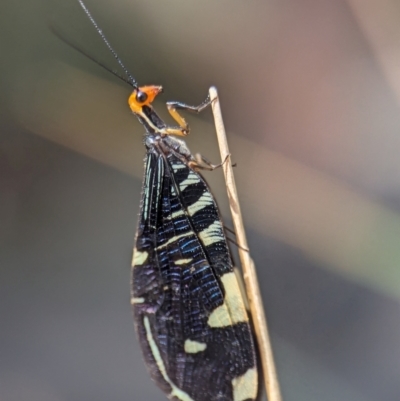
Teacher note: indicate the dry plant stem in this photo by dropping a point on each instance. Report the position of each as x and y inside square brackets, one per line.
[249, 272]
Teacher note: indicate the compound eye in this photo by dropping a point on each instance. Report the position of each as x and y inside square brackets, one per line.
[141, 96]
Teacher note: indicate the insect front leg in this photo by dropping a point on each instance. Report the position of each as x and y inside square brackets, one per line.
[183, 128]
[199, 162]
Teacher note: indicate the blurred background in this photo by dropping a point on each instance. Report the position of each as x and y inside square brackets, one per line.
[310, 93]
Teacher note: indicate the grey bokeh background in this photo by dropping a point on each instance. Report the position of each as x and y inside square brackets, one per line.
[310, 93]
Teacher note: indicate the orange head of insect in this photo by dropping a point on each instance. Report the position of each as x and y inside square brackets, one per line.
[143, 96]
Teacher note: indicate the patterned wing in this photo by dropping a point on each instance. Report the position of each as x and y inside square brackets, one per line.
[188, 310]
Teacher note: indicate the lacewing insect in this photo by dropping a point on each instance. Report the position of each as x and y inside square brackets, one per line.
[188, 311]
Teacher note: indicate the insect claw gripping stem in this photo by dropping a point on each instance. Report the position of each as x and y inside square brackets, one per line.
[201, 163]
[173, 108]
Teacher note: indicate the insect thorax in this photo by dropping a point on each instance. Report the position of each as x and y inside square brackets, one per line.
[166, 145]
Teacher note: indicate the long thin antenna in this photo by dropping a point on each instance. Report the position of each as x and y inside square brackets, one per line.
[131, 80]
[89, 56]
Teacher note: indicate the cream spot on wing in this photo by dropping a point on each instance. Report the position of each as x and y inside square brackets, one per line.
[137, 300]
[180, 394]
[219, 317]
[239, 279]
[173, 215]
[191, 179]
[232, 311]
[178, 166]
[193, 347]
[139, 257]
[245, 386]
[211, 234]
[177, 214]
[204, 200]
[173, 239]
[183, 261]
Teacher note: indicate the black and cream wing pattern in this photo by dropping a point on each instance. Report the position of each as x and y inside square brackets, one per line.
[189, 314]
[188, 310]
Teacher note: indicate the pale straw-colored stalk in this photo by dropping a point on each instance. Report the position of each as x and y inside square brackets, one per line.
[248, 268]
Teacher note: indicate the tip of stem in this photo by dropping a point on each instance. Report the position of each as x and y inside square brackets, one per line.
[213, 91]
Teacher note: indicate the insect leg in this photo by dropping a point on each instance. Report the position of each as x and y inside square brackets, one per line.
[173, 108]
[199, 162]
